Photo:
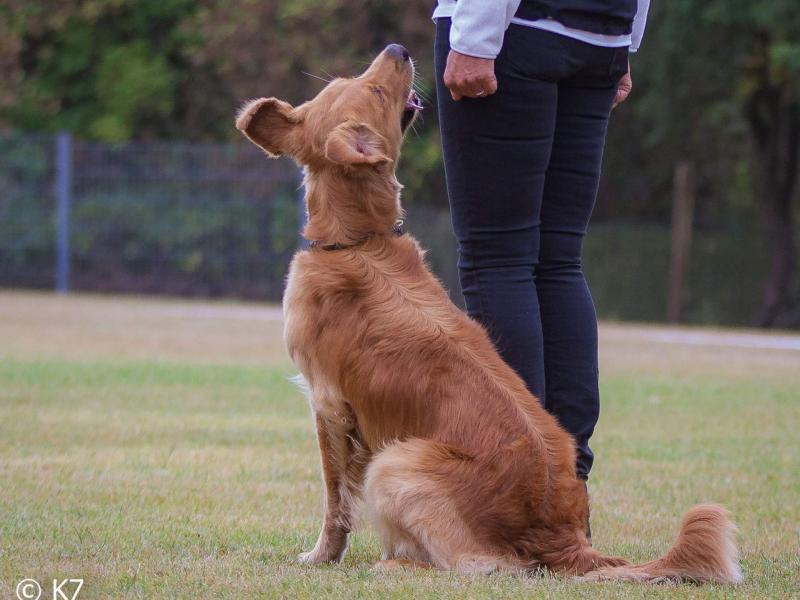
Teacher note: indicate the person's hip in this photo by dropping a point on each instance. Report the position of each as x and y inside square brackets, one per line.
[532, 53]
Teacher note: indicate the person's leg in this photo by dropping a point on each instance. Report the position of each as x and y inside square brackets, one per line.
[496, 151]
[569, 324]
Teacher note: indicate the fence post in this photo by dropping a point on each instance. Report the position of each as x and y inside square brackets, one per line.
[302, 215]
[63, 181]
[681, 243]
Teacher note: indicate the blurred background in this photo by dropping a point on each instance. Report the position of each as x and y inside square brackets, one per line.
[121, 171]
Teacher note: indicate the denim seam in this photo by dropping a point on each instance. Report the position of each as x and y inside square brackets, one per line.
[481, 307]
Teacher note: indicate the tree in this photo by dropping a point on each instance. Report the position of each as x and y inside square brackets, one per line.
[717, 84]
[104, 69]
[291, 48]
[116, 70]
[772, 108]
[716, 77]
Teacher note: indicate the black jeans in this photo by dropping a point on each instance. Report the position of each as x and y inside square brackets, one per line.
[523, 167]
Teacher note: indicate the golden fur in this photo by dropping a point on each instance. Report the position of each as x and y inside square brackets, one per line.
[459, 465]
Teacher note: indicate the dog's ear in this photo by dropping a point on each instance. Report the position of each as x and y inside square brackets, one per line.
[272, 124]
[354, 143]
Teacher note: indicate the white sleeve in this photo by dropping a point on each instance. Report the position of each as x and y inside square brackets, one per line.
[639, 23]
[478, 26]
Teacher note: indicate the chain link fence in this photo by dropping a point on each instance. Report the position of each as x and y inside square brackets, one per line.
[197, 219]
[174, 218]
[222, 220]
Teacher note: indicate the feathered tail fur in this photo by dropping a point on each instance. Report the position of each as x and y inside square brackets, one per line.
[705, 552]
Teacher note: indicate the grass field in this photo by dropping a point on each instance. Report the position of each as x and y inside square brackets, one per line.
[156, 450]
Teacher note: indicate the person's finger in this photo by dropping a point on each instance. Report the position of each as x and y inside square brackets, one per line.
[623, 90]
[449, 79]
[455, 89]
[472, 88]
[471, 85]
[482, 87]
[622, 95]
[461, 88]
[491, 85]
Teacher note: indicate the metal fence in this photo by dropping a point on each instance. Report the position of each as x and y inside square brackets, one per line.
[206, 219]
[210, 219]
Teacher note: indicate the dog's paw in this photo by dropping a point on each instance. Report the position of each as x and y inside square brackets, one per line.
[314, 557]
[309, 558]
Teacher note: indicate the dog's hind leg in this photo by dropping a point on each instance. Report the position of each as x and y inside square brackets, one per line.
[410, 502]
[398, 544]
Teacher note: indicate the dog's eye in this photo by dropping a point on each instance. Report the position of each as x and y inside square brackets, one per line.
[379, 93]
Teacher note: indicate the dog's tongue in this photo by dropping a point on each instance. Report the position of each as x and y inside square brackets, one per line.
[413, 102]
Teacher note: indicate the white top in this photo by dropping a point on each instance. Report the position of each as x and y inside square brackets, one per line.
[479, 26]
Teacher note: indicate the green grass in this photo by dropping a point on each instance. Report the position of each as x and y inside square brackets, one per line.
[191, 475]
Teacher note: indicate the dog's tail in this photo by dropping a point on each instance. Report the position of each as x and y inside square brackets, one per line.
[705, 552]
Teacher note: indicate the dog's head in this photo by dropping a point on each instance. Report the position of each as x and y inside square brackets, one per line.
[354, 124]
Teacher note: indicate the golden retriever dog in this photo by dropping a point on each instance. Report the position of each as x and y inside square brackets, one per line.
[458, 465]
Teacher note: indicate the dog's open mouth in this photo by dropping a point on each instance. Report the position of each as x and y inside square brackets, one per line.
[413, 105]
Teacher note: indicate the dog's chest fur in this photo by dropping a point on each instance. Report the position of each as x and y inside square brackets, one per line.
[346, 309]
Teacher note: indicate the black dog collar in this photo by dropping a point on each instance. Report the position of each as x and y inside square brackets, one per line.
[397, 230]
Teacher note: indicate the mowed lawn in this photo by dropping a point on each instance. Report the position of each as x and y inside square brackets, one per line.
[155, 449]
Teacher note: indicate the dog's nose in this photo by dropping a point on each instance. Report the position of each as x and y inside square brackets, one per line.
[397, 52]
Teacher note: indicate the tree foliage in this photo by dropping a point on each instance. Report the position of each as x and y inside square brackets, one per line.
[106, 69]
[719, 85]
[717, 82]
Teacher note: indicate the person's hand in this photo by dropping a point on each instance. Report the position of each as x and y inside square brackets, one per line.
[469, 76]
[624, 88]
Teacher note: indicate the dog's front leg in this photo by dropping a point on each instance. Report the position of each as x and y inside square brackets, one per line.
[341, 476]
